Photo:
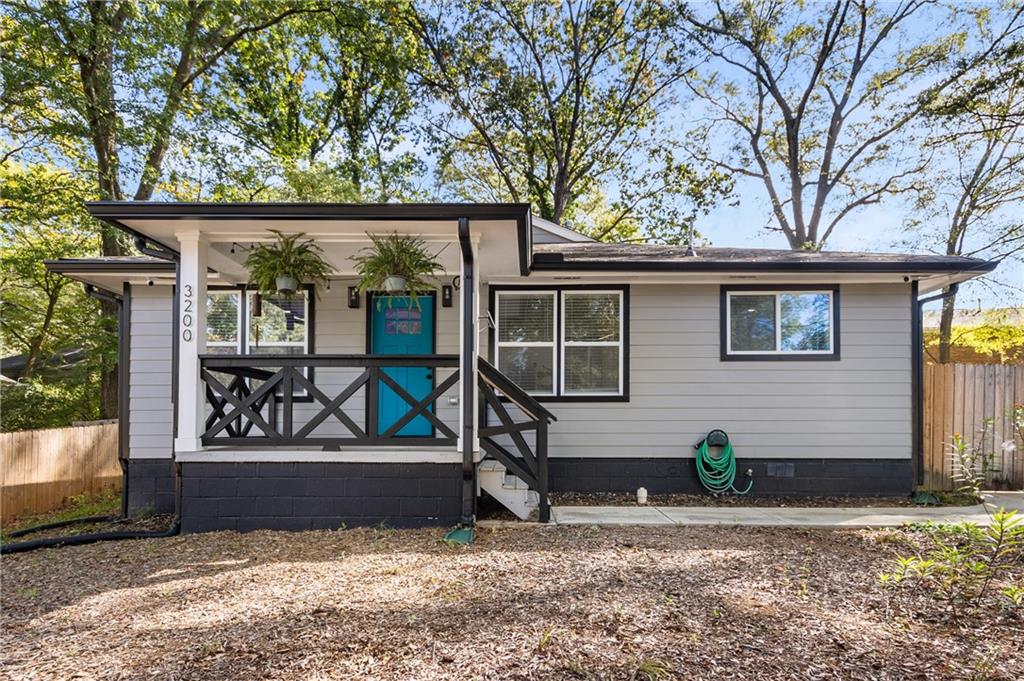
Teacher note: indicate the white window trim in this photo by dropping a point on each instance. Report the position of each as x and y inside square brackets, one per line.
[558, 344]
[499, 344]
[778, 322]
[590, 344]
[237, 345]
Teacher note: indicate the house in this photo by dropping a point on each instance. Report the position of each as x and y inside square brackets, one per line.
[542, 361]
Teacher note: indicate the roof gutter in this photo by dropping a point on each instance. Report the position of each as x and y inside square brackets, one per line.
[555, 262]
[141, 244]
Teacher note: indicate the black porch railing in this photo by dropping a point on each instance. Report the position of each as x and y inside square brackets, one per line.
[531, 463]
[252, 400]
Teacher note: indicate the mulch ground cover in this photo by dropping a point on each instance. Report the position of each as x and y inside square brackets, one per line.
[520, 603]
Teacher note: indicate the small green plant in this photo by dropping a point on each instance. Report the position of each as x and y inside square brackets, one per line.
[1012, 597]
[289, 257]
[393, 256]
[964, 567]
[969, 466]
[651, 670]
[28, 592]
[545, 638]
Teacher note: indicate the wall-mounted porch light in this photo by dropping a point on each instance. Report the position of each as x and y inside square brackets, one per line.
[353, 297]
[446, 296]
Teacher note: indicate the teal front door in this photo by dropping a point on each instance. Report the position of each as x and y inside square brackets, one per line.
[401, 328]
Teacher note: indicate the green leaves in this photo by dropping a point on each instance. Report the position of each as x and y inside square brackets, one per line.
[290, 255]
[558, 105]
[396, 255]
[964, 569]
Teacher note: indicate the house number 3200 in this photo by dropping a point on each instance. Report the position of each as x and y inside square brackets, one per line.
[187, 312]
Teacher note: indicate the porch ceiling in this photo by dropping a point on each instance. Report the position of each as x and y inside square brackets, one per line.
[501, 232]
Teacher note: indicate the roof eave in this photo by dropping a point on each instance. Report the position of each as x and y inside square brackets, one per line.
[977, 268]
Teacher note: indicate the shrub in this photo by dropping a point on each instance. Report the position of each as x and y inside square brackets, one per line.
[966, 567]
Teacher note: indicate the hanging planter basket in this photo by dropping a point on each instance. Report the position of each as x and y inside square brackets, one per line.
[396, 284]
[287, 285]
[398, 265]
[281, 266]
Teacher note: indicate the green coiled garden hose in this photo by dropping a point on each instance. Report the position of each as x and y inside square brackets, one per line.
[718, 474]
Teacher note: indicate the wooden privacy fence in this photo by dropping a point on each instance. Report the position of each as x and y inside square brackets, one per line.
[40, 469]
[975, 400]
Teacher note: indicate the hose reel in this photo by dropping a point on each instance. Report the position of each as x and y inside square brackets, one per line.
[718, 473]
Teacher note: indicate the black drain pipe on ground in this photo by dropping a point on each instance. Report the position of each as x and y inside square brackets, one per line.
[124, 320]
[79, 539]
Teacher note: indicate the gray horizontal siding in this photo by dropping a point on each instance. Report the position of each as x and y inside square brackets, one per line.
[149, 386]
[857, 407]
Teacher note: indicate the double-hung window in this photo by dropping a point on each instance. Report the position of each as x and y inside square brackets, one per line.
[562, 342]
[797, 323]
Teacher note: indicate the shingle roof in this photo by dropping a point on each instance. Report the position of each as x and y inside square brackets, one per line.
[606, 256]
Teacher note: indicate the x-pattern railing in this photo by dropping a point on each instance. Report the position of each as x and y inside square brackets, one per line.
[238, 406]
[531, 464]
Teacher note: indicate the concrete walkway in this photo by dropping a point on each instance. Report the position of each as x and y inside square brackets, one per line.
[649, 516]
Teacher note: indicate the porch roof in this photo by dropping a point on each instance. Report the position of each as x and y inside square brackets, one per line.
[157, 222]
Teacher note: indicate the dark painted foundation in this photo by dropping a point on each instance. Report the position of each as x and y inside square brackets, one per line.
[778, 477]
[150, 486]
[311, 496]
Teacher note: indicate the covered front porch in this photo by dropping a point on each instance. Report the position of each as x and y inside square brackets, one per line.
[333, 375]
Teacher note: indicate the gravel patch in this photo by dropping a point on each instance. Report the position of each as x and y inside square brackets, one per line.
[521, 603]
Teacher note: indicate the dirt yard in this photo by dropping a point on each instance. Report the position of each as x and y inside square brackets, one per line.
[551, 603]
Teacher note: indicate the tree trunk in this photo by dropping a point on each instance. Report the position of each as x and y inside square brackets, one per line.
[946, 327]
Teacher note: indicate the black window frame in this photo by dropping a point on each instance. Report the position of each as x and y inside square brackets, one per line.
[492, 336]
[723, 319]
[299, 394]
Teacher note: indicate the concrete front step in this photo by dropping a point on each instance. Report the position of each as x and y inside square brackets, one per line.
[509, 490]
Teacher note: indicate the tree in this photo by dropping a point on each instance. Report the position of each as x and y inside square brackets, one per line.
[101, 86]
[325, 98]
[823, 100]
[972, 205]
[550, 103]
[42, 313]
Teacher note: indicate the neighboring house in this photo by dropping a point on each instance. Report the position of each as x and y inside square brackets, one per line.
[591, 367]
[57, 366]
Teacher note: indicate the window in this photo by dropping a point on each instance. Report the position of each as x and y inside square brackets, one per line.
[780, 324]
[223, 322]
[280, 329]
[565, 343]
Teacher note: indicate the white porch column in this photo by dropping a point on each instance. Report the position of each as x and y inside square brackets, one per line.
[191, 301]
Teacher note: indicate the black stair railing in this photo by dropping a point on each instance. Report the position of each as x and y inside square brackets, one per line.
[246, 392]
[531, 463]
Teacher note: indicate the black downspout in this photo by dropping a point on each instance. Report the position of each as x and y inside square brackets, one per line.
[916, 385]
[917, 373]
[122, 381]
[468, 377]
[161, 253]
[124, 350]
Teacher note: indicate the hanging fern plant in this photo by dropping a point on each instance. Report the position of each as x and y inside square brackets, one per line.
[398, 264]
[281, 266]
